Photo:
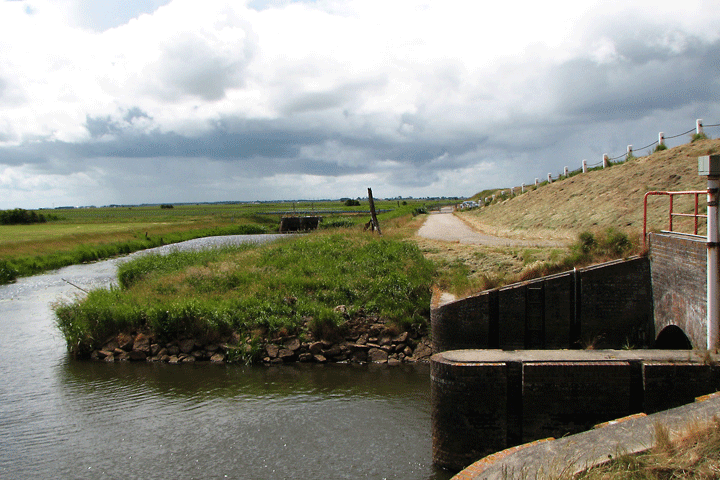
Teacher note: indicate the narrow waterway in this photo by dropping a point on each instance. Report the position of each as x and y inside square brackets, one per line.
[61, 418]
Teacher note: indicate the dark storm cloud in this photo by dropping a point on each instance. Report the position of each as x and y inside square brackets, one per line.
[644, 80]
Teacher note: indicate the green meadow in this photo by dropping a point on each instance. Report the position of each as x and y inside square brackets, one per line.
[81, 235]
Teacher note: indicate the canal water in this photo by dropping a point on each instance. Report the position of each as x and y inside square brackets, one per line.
[63, 418]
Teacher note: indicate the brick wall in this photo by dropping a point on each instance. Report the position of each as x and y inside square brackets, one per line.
[468, 411]
[678, 267]
[482, 407]
[606, 306]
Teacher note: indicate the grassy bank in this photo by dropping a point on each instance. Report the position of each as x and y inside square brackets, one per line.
[283, 288]
[467, 269]
[88, 234]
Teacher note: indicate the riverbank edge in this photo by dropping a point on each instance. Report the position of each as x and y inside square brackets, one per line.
[550, 458]
[360, 340]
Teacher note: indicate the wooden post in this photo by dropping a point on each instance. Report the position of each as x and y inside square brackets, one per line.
[372, 212]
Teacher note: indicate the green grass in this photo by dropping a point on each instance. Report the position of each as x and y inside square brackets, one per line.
[287, 287]
[88, 234]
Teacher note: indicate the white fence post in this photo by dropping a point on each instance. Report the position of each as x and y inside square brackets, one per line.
[605, 160]
[565, 171]
[512, 191]
[537, 182]
[629, 152]
[661, 138]
[549, 178]
[584, 166]
[698, 126]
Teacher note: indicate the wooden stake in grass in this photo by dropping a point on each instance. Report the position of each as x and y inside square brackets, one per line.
[374, 220]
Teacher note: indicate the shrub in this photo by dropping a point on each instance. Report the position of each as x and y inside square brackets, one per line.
[8, 273]
[660, 147]
[698, 136]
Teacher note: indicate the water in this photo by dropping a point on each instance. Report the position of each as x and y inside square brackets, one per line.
[61, 418]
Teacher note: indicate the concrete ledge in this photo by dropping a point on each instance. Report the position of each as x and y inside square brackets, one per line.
[575, 453]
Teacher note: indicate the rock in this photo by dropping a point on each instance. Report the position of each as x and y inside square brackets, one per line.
[315, 348]
[305, 357]
[111, 345]
[333, 352]
[103, 353]
[198, 354]
[362, 339]
[375, 355]
[162, 352]
[173, 360]
[155, 349]
[125, 342]
[393, 361]
[285, 355]
[137, 355]
[110, 358]
[292, 344]
[141, 343]
[187, 345]
[272, 350]
[402, 338]
[342, 310]
[320, 358]
[211, 347]
[123, 357]
[173, 350]
[276, 360]
[359, 356]
[423, 351]
[188, 359]
[385, 340]
[408, 351]
[164, 358]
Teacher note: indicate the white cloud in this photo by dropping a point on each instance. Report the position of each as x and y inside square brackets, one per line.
[419, 90]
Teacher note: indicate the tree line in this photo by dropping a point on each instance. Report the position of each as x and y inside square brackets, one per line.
[20, 216]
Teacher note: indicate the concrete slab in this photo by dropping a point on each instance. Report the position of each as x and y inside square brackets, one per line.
[562, 356]
[575, 453]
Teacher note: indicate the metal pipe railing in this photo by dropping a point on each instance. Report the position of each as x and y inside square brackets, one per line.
[671, 213]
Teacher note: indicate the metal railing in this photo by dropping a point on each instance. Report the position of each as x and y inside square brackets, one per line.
[671, 213]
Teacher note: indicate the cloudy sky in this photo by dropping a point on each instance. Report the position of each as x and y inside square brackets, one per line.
[130, 101]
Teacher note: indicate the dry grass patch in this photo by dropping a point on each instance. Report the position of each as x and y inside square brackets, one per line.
[695, 454]
[600, 199]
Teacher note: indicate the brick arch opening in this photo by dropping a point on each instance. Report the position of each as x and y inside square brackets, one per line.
[672, 337]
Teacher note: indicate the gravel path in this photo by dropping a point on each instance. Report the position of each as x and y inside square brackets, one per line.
[447, 227]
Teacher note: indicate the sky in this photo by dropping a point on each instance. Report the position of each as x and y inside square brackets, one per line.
[161, 101]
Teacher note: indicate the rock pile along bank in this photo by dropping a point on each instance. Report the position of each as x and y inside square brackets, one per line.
[363, 342]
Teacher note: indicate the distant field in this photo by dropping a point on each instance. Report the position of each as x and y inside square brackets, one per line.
[86, 234]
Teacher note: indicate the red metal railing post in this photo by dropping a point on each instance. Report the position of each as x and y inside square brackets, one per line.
[672, 214]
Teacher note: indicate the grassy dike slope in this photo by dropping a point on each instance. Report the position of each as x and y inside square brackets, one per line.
[600, 199]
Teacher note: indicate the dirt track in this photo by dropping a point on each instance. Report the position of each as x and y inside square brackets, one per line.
[445, 226]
